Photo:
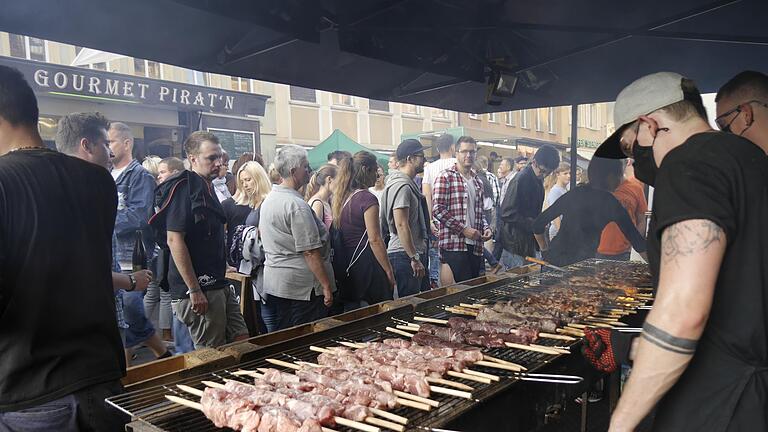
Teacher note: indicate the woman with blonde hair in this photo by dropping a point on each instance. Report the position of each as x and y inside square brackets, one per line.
[252, 186]
[318, 193]
[367, 276]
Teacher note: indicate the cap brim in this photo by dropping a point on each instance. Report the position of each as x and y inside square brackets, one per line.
[611, 147]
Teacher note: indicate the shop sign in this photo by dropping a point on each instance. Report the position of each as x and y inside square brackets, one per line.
[63, 81]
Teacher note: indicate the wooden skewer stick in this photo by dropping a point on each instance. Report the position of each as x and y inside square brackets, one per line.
[486, 357]
[461, 311]
[430, 320]
[399, 332]
[449, 383]
[283, 364]
[388, 415]
[472, 306]
[190, 390]
[248, 373]
[482, 374]
[558, 349]
[495, 365]
[533, 348]
[414, 398]
[468, 377]
[353, 345]
[571, 331]
[556, 336]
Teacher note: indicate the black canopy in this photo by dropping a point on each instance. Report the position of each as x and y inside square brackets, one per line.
[427, 52]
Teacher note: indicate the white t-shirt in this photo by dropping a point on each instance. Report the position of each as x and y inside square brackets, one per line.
[116, 172]
[469, 185]
[435, 168]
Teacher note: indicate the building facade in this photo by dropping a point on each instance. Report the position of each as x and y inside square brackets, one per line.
[252, 115]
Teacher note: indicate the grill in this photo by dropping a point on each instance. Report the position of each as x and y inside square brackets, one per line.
[152, 411]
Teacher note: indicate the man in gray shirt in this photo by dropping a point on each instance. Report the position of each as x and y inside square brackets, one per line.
[298, 276]
[404, 213]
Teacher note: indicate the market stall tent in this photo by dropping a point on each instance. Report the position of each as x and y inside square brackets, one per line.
[338, 140]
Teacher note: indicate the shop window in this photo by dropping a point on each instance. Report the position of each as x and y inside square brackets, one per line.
[377, 105]
[302, 94]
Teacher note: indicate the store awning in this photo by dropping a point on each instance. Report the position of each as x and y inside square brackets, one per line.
[433, 52]
[340, 141]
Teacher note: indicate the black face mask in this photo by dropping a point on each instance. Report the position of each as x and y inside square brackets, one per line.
[644, 164]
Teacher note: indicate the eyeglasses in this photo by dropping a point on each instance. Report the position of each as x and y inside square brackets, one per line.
[726, 127]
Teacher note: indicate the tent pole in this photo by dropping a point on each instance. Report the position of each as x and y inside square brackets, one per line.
[574, 142]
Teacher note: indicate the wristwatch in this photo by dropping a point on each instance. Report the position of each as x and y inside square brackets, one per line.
[415, 257]
[133, 282]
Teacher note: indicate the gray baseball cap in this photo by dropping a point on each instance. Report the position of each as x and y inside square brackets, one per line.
[644, 96]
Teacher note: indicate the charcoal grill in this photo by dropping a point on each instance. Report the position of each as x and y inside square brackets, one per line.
[151, 411]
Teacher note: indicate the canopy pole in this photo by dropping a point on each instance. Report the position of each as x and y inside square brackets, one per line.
[574, 143]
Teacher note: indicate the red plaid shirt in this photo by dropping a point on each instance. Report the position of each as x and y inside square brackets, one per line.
[449, 206]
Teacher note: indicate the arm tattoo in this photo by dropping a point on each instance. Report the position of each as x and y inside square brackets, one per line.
[666, 341]
[688, 237]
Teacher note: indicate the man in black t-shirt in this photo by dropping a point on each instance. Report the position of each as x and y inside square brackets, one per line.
[703, 352]
[192, 216]
[60, 349]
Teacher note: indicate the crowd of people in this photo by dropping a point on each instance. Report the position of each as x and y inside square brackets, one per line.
[318, 242]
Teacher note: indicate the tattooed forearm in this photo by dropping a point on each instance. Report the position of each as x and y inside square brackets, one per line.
[668, 342]
[689, 237]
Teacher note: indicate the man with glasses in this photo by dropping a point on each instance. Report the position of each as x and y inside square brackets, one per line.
[521, 205]
[703, 353]
[742, 107]
[192, 220]
[458, 205]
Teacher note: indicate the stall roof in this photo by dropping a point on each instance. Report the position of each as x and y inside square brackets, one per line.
[338, 140]
[427, 52]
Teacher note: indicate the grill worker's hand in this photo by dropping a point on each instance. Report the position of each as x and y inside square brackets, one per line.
[606, 350]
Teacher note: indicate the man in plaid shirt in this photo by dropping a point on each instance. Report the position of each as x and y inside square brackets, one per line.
[458, 206]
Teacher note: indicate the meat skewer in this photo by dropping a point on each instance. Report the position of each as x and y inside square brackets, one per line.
[423, 337]
[238, 405]
[491, 327]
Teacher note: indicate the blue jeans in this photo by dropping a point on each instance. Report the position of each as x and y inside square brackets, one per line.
[139, 328]
[83, 410]
[182, 340]
[269, 315]
[290, 313]
[488, 255]
[407, 283]
[434, 264]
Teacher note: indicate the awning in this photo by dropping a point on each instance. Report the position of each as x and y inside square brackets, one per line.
[88, 56]
[433, 52]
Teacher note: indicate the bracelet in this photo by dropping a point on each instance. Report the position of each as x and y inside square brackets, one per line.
[133, 282]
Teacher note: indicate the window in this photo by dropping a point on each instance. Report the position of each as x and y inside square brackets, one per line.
[510, 118]
[538, 120]
[492, 117]
[303, 94]
[377, 105]
[592, 119]
[343, 100]
[154, 70]
[146, 68]
[99, 66]
[551, 121]
[240, 84]
[439, 113]
[27, 47]
[18, 46]
[524, 119]
[36, 49]
[474, 117]
[411, 109]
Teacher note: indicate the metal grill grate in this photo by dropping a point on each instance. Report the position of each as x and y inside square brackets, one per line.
[151, 408]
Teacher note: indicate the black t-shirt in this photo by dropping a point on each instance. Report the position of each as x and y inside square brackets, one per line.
[586, 211]
[236, 215]
[724, 179]
[58, 331]
[204, 239]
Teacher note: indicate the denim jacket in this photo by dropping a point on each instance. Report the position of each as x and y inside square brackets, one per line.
[135, 197]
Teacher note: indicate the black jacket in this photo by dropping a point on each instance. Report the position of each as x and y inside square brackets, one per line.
[520, 206]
